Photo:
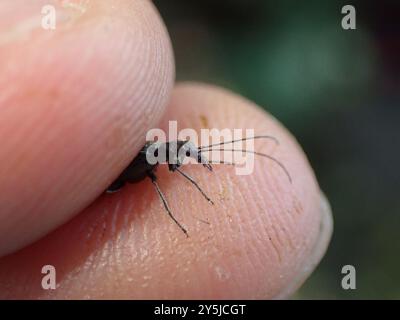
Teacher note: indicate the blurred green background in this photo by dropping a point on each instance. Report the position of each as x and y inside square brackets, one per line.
[337, 90]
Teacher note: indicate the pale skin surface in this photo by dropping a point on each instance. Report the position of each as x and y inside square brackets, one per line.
[75, 107]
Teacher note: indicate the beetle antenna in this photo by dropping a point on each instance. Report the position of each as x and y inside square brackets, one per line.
[258, 154]
[223, 162]
[195, 184]
[237, 140]
[164, 201]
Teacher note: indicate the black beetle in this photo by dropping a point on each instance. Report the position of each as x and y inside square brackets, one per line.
[175, 152]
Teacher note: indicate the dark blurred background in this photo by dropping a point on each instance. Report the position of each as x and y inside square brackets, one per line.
[338, 92]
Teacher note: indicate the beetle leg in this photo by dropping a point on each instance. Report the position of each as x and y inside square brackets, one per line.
[195, 184]
[153, 178]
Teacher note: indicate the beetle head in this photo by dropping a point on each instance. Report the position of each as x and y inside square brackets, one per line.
[188, 149]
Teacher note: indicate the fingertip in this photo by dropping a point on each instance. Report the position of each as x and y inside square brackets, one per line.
[77, 109]
[265, 223]
[262, 240]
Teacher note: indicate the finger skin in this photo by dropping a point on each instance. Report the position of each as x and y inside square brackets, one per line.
[261, 232]
[75, 105]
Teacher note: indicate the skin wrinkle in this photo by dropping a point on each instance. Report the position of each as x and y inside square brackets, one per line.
[141, 103]
[304, 251]
[248, 249]
[157, 55]
[254, 264]
[117, 254]
[238, 254]
[275, 248]
[152, 103]
[289, 216]
[287, 234]
[279, 219]
[261, 253]
[268, 234]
